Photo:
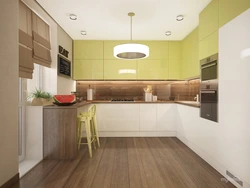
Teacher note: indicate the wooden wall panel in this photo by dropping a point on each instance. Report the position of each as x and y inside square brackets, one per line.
[60, 133]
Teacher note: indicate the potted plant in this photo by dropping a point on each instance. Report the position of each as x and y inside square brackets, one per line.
[40, 98]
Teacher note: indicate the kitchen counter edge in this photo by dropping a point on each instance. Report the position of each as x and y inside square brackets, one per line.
[80, 104]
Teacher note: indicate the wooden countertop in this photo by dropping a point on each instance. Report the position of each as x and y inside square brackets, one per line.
[83, 103]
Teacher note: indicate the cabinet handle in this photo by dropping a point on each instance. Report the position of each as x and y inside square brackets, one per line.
[207, 91]
[208, 115]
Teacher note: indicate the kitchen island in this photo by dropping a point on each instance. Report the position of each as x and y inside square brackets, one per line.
[114, 119]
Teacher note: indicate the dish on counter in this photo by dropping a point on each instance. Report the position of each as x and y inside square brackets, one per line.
[64, 104]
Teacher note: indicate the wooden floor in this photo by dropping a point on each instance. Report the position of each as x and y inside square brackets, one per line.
[128, 162]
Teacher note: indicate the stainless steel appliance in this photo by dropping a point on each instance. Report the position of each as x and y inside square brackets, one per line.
[209, 88]
[209, 68]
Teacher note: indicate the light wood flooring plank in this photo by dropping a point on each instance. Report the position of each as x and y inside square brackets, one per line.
[103, 175]
[137, 176]
[153, 174]
[120, 176]
[84, 173]
[169, 167]
[205, 165]
[194, 169]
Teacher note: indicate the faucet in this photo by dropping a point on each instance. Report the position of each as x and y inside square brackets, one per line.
[196, 98]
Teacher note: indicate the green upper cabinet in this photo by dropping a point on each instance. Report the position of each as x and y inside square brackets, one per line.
[88, 69]
[174, 60]
[157, 49]
[84, 49]
[109, 48]
[190, 65]
[94, 60]
[174, 68]
[152, 69]
[229, 9]
[209, 46]
[209, 19]
[119, 69]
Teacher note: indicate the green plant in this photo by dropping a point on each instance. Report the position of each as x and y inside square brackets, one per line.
[38, 93]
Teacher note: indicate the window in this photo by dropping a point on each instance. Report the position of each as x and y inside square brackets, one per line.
[26, 86]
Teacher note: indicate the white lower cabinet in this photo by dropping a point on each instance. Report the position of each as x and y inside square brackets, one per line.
[136, 117]
[118, 117]
[148, 117]
[166, 117]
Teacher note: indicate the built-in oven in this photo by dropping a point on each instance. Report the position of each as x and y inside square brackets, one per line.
[209, 103]
[209, 68]
[209, 88]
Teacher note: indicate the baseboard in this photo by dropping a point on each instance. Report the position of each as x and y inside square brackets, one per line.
[11, 182]
[137, 134]
[210, 160]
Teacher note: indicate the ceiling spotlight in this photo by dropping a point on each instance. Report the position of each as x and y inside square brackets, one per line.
[83, 32]
[179, 17]
[73, 17]
[168, 33]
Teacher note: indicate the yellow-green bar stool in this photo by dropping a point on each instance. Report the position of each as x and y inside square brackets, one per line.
[84, 120]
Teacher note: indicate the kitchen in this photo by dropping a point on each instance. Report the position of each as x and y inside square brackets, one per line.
[224, 145]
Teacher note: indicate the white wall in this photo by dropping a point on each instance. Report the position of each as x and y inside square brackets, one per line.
[65, 84]
[8, 89]
[225, 145]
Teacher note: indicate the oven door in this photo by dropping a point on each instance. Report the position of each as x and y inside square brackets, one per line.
[209, 71]
[209, 105]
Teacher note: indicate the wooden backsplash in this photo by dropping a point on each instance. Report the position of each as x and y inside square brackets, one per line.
[105, 90]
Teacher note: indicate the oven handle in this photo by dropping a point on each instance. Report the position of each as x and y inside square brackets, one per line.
[206, 66]
[206, 91]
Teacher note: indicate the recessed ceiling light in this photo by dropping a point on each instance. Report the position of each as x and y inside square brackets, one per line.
[168, 33]
[179, 17]
[73, 17]
[83, 32]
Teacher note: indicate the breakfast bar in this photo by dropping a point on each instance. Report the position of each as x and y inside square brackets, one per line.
[124, 119]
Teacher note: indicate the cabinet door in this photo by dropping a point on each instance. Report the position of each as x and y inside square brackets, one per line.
[119, 69]
[190, 55]
[209, 46]
[157, 49]
[229, 9]
[152, 69]
[174, 60]
[209, 20]
[88, 69]
[166, 117]
[148, 117]
[109, 48]
[174, 68]
[88, 49]
[118, 117]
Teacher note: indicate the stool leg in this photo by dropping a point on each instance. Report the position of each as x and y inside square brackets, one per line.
[88, 133]
[79, 134]
[96, 132]
[93, 137]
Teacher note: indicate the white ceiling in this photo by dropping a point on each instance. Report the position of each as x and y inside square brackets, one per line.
[108, 19]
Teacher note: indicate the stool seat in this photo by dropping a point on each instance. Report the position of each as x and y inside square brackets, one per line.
[88, 119]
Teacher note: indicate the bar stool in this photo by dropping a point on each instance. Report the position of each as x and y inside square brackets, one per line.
[89, 120]
[83, 120]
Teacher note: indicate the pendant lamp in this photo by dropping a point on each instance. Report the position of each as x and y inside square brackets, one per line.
[131, 51]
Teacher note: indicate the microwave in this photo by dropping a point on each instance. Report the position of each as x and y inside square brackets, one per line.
[209, 68]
